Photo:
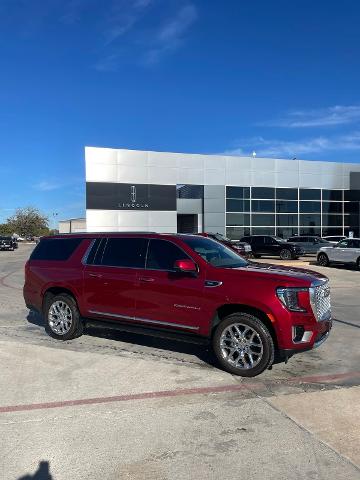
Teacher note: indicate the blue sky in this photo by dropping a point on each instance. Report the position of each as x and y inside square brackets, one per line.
[280, 77]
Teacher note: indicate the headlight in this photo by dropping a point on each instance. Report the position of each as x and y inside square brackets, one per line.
[294, 299]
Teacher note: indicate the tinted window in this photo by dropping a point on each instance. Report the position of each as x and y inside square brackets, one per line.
[332, 207]
[262, 192]
[287, 220]
[309, 194]
[309, 220]
[162, 255]
[215, 253]
[55, 249]
[355, 244]
[283, 206]
[332, 195]
[238, 192]
[298, 239]
[237, 219]
[332, 220]
[287, 193]
[125, 252]
[237, 205]
[262, 206]
[190, 191]
[352, 195]
[310, 207]
[263, 220]
[344, 243]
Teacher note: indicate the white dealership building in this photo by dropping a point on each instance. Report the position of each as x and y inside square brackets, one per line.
[130, 190]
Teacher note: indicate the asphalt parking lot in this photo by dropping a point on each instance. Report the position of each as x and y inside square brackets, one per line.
[115, 405]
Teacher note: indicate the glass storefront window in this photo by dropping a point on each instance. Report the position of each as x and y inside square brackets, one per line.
[237, 219]
[285, 220]
[309, 194]
[283, 206]
[332, 195]
[306, 220]
[332, 220]
[262, 192]
[189, 191]
[286, 232]
[329, 231]
[310, 207]
[263, 206]
[237, 205]
[332, 207]
[262, 231]
[237, 192]
[235, 233]
[262, 220]
[287, 193]
[310, 231]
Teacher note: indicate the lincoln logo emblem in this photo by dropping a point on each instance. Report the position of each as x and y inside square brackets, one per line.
[133, 201]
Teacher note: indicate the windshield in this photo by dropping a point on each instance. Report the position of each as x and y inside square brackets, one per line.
[215, 253]
[280, 240]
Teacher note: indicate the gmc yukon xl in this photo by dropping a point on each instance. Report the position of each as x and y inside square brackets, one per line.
[186, 284]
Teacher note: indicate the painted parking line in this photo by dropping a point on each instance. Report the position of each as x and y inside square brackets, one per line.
[6, 285]
[178, 392]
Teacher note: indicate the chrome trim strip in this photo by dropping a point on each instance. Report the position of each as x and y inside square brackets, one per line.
[144, 320]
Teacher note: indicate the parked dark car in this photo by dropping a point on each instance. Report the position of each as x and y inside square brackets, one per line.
[272, 246]
[6, 243]
[184, 284]
[242, 248]
[309, 243]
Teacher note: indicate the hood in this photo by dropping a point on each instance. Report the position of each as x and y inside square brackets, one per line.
[286, 274]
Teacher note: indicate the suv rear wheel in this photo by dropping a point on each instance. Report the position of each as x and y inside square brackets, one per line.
[243, 345]
[62, 317]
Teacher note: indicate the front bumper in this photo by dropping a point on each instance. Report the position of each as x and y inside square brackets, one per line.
[320, 336]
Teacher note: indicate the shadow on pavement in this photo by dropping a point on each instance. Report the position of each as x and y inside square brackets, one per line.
[161, 340]
[42, 473]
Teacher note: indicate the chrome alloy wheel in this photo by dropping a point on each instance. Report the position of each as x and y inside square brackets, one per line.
[60, 317]
[241, 346]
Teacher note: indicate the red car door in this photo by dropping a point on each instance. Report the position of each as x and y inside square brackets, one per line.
[167, 297]
[110, 277]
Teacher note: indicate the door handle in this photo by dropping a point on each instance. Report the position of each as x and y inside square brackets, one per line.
[146, 279]
[96, 275]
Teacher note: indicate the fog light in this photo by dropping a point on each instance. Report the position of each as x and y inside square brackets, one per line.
[298, 333]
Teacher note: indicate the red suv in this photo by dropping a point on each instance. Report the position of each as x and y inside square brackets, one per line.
[185, 283]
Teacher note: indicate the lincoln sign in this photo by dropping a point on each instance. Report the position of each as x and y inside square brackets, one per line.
[125, 196]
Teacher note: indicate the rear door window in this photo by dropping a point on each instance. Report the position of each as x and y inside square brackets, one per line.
[59, 249]
[125, 252]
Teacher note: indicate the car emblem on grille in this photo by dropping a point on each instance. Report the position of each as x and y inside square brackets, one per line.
[326, 292]
[133, 194]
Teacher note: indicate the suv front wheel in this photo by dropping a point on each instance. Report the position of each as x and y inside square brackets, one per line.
[243, 345]
[62, 317]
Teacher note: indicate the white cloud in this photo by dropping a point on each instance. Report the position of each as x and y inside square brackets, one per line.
[171, 35]
[46, 186]
[321, 117]
[296, 148]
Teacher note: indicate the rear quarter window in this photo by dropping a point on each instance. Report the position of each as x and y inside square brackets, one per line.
[55, 249]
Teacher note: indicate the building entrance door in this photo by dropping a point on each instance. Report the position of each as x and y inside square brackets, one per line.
[187, 223]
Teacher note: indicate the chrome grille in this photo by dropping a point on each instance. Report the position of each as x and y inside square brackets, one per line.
[321, 301]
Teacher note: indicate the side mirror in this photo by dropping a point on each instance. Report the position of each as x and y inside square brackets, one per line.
[185, 266]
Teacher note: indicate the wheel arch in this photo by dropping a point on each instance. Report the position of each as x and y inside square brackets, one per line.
[227, 309]
[52, 291]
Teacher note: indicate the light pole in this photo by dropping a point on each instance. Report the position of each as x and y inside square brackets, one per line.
[55, 214]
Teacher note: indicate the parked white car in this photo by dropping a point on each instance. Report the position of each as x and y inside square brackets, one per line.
[346, 251]
[334, 239]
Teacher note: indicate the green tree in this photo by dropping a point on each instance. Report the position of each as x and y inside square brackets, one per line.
[28, 222]
[5, 229]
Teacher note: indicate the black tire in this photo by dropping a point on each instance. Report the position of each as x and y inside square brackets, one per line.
[323, 260]
[285, 254]
[254, 324]
[358, 263]
[75, 329]
[256, 255]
